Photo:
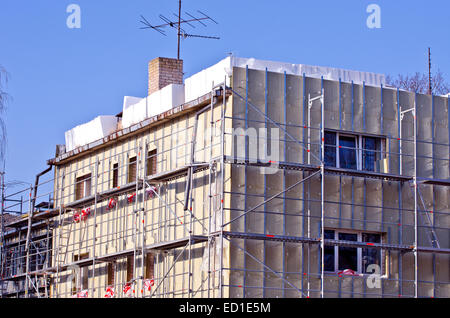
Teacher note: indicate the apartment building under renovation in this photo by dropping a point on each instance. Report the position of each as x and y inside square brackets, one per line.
[249, 179]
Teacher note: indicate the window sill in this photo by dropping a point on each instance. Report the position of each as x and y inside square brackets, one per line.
[359, 275]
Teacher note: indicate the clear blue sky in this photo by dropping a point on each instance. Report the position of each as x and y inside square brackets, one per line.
[63, 77]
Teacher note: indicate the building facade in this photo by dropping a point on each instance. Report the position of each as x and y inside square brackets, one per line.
[272, 182]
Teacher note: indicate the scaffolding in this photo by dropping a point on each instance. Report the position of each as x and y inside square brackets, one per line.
[217, 238]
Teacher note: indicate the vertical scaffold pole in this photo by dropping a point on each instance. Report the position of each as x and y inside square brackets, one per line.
[27, 247]
[416, 264]
[222, 199]
[136, 218]
[144, 257]
[2, 244]
[210, 205]
[309, 128]
[94, 238]
[322, 189]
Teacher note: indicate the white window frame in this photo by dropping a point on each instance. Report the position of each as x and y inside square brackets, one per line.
[357, 143]
[358, 147]
[86, 181]
[383, 261]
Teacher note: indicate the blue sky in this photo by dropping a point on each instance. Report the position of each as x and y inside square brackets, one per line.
[63, 77]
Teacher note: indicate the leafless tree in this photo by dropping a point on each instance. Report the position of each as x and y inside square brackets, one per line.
[4, 97]
[418, 83]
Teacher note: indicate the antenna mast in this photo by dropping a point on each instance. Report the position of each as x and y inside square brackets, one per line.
[179, 28]
[177, 25]
[430, 90]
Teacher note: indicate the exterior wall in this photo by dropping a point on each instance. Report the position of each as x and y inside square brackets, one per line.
[156, 222]
[351, 203]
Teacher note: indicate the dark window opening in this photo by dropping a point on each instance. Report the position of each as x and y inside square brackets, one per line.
[329, 252]
[371, 153]
[330, 149]
[83, 187]
[356, 152]
[149, 266]
[132, 170]
[370, 255]
[340, 258]
[347, 152]
[348, 256]
[111, 274]
[115, 179]
[151, 163]
[130, 266]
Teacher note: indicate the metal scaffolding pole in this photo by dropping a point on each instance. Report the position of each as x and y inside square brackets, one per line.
[2, 243]
[94, 238]
[222, 182]
[322, 192]
[413, 110]
[416, 260]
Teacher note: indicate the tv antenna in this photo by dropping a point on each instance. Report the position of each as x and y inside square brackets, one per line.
[202, 17]
[430, 89]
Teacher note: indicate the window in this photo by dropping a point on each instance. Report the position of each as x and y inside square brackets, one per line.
[130, 265]
[339, 258]
[348, 256]
[83, 187]
[132, 170]
[329, 252]
[149, 266]
[347, 152]
[81, 278]
[151, 163]
[110, 269]
[370, 255]
[330, 149]
[355, 152]
[115, 176]
[371, 153]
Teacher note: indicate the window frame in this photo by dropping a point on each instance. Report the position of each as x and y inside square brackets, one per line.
[115, 175]
[380, 153]
[80, 281]
[132, 168]
[149, 266]
[151, 163]
[111, 271]
[384, 263]
[129, 269]
[86, 182]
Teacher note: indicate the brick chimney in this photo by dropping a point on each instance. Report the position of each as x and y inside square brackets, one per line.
[164, 71]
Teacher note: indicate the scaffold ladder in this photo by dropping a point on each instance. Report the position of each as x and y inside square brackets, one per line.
[427, 221]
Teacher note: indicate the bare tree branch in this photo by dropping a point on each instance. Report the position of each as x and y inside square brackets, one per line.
[438, 85]
[4, 98]
[418, 83]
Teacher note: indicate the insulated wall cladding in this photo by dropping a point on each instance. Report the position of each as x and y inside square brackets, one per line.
[353, 204]
[146, 219]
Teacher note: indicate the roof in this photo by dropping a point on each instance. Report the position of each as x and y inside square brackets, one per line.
[198, 87]
[133, 130]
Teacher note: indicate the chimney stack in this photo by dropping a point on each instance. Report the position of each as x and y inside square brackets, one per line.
[164, 71]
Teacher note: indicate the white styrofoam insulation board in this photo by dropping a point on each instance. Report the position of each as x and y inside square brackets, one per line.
[96, 129]
[201, 83]
[136, 109]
